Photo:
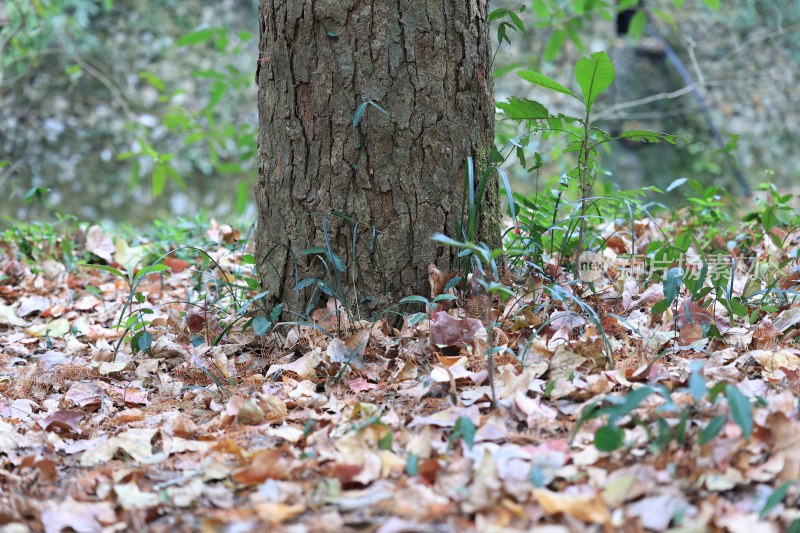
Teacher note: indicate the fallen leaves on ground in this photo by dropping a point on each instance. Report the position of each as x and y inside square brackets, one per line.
[388, 427]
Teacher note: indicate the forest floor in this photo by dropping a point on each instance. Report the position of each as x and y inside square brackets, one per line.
[642, 403]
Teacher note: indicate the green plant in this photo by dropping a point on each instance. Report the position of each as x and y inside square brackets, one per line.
[41, 240]
[774, 211]
[208, 140]
[620, 412]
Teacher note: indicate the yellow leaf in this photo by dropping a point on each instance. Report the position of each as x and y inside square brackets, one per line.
[587, 507]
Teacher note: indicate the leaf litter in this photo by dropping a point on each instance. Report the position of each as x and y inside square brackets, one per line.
[373, 427]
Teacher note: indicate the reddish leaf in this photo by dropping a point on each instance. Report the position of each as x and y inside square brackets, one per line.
[361, 385]
[175, 264]
[195, 322]
[63, 421]
[449, 331]
[428, 470]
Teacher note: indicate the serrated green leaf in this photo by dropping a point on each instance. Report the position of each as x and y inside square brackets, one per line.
[650, 137]
[523, 109]
[594, 75]
[543, 81]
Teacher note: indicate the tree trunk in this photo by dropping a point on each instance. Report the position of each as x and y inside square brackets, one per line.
[364, 186]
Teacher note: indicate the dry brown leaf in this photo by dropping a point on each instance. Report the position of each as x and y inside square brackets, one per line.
[786, 433]
[588, 507]
[274, 463]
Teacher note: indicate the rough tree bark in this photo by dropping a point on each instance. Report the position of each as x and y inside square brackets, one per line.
[371, 189]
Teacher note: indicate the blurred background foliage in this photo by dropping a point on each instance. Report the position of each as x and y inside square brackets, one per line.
[133, 111]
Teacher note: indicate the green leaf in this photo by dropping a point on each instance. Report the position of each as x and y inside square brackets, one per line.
[554, 45]
[697, 383]
[652, 137]
[741, 410]
[359, 113]
[660, 307]
[636, 27]
[416, 318]
[716, 391]
[151, 269]
[464, 429]
[774, 499]
[145, 341]
[106, 268]
[523, 109]
[159, 180]
[415, 299]
[738, 308]
[303, 283]
[154, 80]
[199, 36]
[517, 22]
[543, 81]
[609, 438]
[412, 464]
[313, 250]
[230, 168]
[261, 325]
[711, 430]
[594, 75]
[768, 219]
[337, 261]
[379, 108]
[675, 184]
[672, 284]
[386, 441]
[628, 403]
[712, 4]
